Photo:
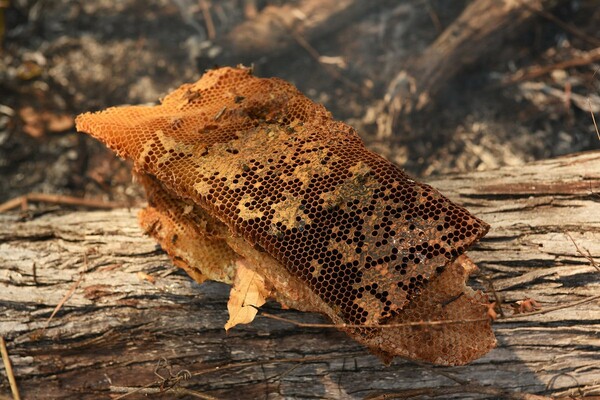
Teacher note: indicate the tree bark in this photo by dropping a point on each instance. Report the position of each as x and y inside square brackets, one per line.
[129, 307]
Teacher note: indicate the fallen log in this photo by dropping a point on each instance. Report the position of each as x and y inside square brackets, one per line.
[477, 33]
[276, 29]
[129, 307]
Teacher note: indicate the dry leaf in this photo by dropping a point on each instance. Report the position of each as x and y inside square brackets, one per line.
[526, 306]
[38, 122]
[248, 292]
[142, 276]
[59, 122]
[34, 126]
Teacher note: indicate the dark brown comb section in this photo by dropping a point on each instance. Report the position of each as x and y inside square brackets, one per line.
[276, 169]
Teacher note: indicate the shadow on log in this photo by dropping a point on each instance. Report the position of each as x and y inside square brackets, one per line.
[130, 307]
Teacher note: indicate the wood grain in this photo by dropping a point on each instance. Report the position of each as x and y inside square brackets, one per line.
[117, 325]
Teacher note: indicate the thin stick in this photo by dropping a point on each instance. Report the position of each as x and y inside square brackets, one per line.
[210, 25]
[591, 112]
[194, 393]
[550, 309]
[593, 118]
[399, 325]
[537, 71]
[435, 19]
[582, 254]
[335, 74]
[284, 373]
[9, 371]
[496, 297]
[431, 323]
[57, 199]
[34, 273]
[128, 390]
[66, 297]
[441, 372]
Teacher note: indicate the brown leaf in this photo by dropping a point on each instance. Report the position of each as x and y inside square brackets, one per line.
[526, 306]
[249, 291]
[38, 122]
[33, 123]
[142, 276]
[59, 122]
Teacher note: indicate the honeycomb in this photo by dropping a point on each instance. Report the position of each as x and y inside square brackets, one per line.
[237, 166]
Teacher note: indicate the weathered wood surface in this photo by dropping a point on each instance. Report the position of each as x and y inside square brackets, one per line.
[116, 326]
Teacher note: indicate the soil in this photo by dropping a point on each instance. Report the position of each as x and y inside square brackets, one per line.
[63, 57]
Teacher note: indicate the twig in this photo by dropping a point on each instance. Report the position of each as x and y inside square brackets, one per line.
[165, 384]
[440, 372]
[495, 294]
[194, 393]
[587, 257]
[66, 297]
[435, 19]
[210, 25]
[537, 71]
[563, 306]
[552, 381]
[329, 69]
[34, 273]
[22, 201]
[9, 371]
[128, 391]
[593, 118]
[430, 323]
[62, 302]
[550, 309]
[585, 392]
[284, 373]
[398, 325]
[145, 390]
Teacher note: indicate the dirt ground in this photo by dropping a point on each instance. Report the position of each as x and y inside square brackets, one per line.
[63, 57]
